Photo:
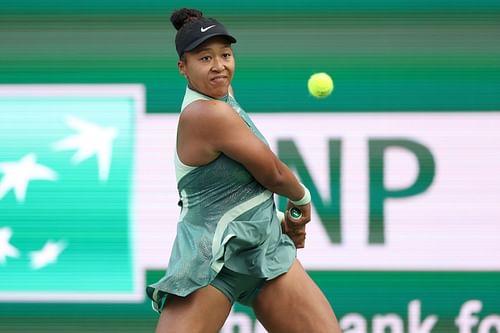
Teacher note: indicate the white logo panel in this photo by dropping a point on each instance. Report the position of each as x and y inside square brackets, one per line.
[452, 225]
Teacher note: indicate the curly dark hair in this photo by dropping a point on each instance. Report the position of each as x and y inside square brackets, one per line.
[183, 16]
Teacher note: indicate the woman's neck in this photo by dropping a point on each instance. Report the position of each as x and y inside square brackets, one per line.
[223, 98]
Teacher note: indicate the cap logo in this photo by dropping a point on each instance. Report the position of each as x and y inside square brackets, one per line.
[205, 29]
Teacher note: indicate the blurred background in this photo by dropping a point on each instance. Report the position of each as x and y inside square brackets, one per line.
[409, 242]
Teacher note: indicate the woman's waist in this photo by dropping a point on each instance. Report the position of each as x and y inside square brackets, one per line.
[218, 196]
[223, 210]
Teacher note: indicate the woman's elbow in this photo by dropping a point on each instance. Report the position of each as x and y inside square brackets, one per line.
[274, 181]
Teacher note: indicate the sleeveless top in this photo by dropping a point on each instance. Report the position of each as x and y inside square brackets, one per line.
[227, 219]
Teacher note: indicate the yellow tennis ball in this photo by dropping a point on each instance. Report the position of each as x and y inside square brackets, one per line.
[320, 85]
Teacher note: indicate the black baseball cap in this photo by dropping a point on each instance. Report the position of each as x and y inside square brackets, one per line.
[195, 32]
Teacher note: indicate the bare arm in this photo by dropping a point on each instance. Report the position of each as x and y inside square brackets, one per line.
[213, 127]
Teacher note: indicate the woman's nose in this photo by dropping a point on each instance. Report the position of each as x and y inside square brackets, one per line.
[218, 66]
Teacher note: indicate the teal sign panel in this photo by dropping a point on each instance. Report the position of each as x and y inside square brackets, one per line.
[66, 222]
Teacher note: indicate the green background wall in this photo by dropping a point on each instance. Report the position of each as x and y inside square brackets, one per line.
[383, 55]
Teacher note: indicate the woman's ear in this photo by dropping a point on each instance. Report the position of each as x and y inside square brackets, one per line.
[182, 67]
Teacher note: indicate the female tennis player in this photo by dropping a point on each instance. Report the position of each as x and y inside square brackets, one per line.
[231, 244]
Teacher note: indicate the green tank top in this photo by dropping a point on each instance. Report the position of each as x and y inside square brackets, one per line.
[227, 219]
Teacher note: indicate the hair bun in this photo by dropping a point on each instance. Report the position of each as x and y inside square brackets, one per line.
[183, 16]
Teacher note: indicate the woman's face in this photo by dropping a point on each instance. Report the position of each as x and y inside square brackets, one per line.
[209, 68]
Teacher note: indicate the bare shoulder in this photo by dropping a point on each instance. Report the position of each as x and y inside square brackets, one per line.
[209, 125]
[201, 125]
[208, 115]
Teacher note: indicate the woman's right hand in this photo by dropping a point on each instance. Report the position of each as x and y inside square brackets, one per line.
[296, 228]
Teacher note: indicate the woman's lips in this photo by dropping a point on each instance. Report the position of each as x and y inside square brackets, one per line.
[219, 78]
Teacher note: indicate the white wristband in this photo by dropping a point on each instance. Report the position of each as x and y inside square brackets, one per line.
[305, 199]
